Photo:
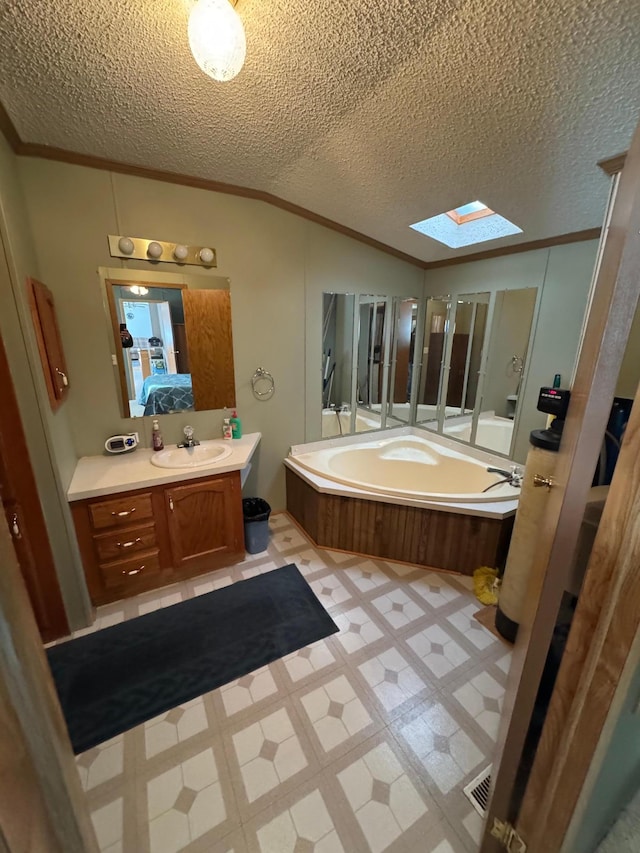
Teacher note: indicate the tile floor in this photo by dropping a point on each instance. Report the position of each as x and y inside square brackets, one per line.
[360, 742]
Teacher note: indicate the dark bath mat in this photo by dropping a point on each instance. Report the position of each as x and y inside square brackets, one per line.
[119, 677]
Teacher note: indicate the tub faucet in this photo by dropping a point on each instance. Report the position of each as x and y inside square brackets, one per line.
[513, 477]
[189, 440]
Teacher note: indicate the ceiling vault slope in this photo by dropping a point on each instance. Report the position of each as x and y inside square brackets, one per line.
[373, 115]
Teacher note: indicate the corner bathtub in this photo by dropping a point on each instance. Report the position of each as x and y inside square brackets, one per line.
[404, 497]
[411, 467]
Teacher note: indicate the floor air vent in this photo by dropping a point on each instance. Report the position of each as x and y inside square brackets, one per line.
[477, 791]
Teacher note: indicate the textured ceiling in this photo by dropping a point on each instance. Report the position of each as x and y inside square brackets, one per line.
[373, 113]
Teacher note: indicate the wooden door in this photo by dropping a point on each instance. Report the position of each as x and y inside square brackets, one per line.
[457, 369]
[205, 523]
[434, 368]
[45, 324]
[615, 298]
[403, 352]
[207, 320]
[24, 518]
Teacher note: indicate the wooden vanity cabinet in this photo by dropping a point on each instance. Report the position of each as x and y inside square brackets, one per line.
[135, 541]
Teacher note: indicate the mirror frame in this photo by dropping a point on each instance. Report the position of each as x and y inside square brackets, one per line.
[207, 310]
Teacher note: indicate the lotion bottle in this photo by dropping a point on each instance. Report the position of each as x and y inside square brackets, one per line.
[156, 436]
[226, 429]
[236, 425]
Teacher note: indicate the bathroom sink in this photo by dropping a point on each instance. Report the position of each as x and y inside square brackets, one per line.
[190, 457]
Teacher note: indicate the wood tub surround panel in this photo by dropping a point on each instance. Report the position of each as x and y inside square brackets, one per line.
[425, 537]
[143, 539]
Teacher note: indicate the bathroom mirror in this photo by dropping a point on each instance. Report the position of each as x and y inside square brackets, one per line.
[338, 316]
[173, 348]
[430, 391]
[508, 347]
[407, 321]
[373, 354]
[474, 359]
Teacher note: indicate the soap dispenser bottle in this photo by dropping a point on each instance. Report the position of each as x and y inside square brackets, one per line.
[236, 425]
[156, 436]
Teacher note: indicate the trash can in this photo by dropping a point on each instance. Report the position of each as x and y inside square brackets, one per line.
[256, 514]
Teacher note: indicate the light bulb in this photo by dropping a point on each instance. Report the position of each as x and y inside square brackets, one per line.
[180, 252]
[125, 244]
[206, 255]
[154, 249]
[217, 39]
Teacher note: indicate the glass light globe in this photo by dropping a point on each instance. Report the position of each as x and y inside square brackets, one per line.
[216, 38]
[125, 244]
[180, 252]
[206, 255]
[154, 249]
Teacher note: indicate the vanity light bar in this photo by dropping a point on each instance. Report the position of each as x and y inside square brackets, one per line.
[121, 246]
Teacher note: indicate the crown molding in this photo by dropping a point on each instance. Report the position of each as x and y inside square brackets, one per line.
[8, 128]
[63, 155]
[613, 165]
[531, 246]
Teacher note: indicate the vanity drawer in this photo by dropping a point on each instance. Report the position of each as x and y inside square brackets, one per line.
[122, 544]
[120, 511]
[136, 569]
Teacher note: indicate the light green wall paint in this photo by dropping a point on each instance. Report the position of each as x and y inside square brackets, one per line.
[278, 265]
[563, 275]
[48, 436]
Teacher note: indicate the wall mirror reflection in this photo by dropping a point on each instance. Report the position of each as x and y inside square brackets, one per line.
[513, 313]
[173, 345]
[474, 361]
[373, 347]
[338, 315]
[436, 326]
[405, 363]
[454, 365]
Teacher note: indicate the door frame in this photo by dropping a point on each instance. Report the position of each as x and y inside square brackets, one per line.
[556, 779]
[34, 549]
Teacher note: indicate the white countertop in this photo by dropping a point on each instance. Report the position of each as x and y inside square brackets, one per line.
[102, 475]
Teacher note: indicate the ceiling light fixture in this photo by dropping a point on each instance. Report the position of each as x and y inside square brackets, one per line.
[217, 39]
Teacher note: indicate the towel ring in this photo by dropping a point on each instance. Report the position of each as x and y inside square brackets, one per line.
[263, 379]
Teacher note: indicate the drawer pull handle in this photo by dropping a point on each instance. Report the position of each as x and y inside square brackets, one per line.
[124, 513]
[128, 544]
[133, 571]
[170, 503]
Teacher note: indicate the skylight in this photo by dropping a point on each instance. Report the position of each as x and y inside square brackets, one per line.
[470, 223]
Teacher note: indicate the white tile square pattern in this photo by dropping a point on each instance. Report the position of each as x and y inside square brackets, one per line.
[446, 751]
[308, 660]
[434, 589]
[269, 753]
[320, 750]
[382, 797]
[335, 712]
[438, 650]
[397, 608]
[356, 629]
[184, 803]
[393, 680]
[246, 691]
[307, 825]
[464, 620]
[482, 698]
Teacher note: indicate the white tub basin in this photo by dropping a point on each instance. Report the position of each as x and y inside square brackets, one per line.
[190, 457]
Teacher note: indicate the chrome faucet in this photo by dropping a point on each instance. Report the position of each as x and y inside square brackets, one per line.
[189, 440]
